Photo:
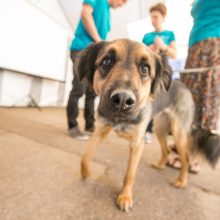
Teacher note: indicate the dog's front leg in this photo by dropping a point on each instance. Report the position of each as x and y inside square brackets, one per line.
[99, 134]
[124, 200]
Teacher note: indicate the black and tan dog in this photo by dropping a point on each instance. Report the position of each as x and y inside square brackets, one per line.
[132, 83]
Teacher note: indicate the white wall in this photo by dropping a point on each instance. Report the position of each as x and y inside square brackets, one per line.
[72, 10]
[51, 8]
[120, 17]
[16, 87]
[34, 38]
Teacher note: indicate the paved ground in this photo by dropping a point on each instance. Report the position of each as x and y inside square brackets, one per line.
[39, 176]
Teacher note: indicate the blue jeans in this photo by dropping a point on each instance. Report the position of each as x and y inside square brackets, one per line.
[78, 89]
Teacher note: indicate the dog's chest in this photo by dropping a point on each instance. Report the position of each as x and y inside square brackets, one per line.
[124, 130]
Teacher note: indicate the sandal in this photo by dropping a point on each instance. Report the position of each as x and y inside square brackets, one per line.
[174, 162]
[173, 148]
[194, 167]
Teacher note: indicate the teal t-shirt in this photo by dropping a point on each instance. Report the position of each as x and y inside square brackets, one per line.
[101, 16]
[166, 36]
[206, 17]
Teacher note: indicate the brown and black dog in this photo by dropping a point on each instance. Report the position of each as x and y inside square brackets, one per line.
[132, 83]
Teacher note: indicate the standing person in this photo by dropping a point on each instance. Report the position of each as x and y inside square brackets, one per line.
[160, 41]
[93, 27]
[204, 51]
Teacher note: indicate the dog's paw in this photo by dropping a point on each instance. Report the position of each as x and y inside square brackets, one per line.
[84, 171]
[124, 202]
[157, 166]
[181, 184]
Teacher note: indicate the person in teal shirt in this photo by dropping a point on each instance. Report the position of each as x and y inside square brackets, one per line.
[160, 40]
[93, 27]
[166, 36]
[100, 22]
[204, 51]
[206, 21]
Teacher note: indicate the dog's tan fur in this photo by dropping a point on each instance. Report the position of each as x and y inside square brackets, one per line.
[136, 141]
[172, 110]
[135, 135]
[124, 70]
[163, 124]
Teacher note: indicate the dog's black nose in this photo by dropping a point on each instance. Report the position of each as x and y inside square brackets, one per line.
[122, 101]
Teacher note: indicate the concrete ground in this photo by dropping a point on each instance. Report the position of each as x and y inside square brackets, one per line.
[40, 177]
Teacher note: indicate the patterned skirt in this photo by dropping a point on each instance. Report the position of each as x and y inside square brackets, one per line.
[205, 86]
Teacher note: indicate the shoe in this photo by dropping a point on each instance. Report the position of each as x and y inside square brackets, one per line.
[76, 133]
[89, 131]
[148, 138]
[173, 161]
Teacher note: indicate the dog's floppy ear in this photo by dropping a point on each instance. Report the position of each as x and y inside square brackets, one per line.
[163, 74]
[84, 65]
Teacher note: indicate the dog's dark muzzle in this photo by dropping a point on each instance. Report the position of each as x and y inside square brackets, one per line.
[119, 105]
[122, 100]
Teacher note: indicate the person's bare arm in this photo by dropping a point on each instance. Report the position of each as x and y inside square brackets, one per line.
[171, 50]
[154, 48]
[88, 22]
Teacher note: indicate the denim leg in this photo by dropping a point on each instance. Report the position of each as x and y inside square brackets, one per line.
[150, 127]
[72, 106]
[89, 107]
[76, 92]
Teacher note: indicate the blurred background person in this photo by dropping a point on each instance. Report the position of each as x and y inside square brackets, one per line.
[160, 41]
[204, 51]
[93, 27]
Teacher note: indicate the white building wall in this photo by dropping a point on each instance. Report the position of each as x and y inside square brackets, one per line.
[14, 89]
[120, 17]
[53, 9]
[20, 89]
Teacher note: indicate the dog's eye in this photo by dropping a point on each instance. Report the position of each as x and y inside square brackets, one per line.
[144, 69]
[107, 62]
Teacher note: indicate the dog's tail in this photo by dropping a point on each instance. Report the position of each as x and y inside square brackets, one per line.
[207, 144]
